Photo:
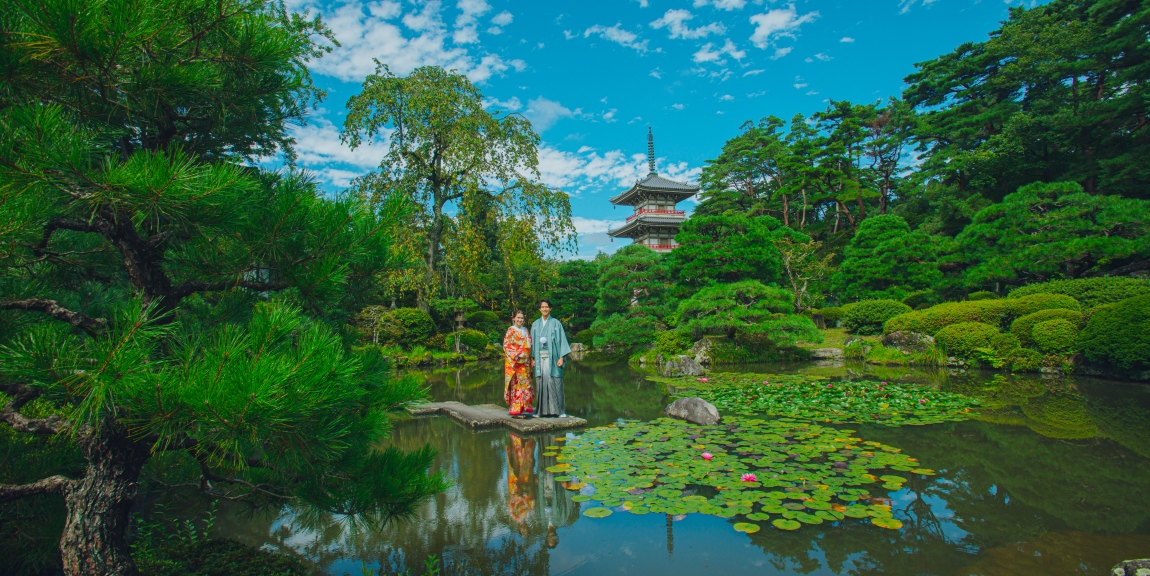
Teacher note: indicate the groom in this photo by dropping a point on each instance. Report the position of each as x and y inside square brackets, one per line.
[549, 349]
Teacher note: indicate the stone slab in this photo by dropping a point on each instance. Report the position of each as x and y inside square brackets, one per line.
[492, 416]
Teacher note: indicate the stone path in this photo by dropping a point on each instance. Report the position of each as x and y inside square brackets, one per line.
[491, 416]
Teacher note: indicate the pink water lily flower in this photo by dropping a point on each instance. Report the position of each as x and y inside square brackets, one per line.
[707, 456]
[750, 478]
[830, 385]
[921, 401]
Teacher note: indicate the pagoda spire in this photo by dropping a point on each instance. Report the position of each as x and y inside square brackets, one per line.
[650, 151]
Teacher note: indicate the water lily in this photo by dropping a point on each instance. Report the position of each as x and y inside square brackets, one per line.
[707, 455]
[830, 385]
[749, 478]
[703, 380]
[921, 401]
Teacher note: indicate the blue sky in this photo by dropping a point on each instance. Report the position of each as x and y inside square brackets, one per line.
[593, 75]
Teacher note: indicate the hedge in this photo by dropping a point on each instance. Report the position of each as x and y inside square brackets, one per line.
[920, 298]
[413, 325]
[982, 295]
[962, 339]
[1023, 327]
[1056, 336]
[868, 316]
[997, 313]
[1119, 334]
[1091, 292]
[831, 315]
[1024, 360]
[473, 339]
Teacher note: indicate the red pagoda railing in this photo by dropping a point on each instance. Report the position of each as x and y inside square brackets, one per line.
[656, 212]
[660, 247]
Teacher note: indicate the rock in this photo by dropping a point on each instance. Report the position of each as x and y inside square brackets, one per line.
[827, 354]
[1132, 568]
[908, 341]
[681, 365]
[578, 348]
[695, 410]
[701, 351]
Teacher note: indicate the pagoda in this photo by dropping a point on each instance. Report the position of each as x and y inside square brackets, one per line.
[655, 221]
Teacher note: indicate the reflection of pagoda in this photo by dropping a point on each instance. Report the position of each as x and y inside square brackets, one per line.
[655, 221]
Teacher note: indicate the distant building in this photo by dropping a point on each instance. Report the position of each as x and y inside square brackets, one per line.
[655, 221]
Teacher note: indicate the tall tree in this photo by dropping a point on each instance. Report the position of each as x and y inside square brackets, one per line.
[885, 259]
[158, 300]
[445, 148]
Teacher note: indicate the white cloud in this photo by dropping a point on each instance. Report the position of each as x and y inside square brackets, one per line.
[726, 97]
[675, 23]
[503, 18]
[719, 112]
[590, 226]
[823, 57]
[754, 72]
[812, 93]
[677, 106]
[757, 94]
[544, 113]
[617, 35]
[318, 144]
[705, 54]
[799, 84]
[609, 116]
[614, 170]
[722, 4]
[847, 40]
[905, 5]
[513, 104]
[643, 3]
[369, 31]
[780, 52]
[656, 73]
[777, 23]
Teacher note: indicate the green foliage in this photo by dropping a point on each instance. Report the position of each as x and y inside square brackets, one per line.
[473, 339]
[585, 337]
[831, 315]
[673, 342]
[1049, 231]
[411, 326]
[740, 309]
[993, 312]
[1090, 292]
[982, 295]
[1024, 360]
[220, 558]
[1023, 327]
[632, 281]
[623, 331]
[867, 317]
[1004, 343]
[1119, 334]
[886, 260]
[1057, 336]
[728, 248]
[919, 299]
[483, 320]
[575, 294]
[964, 338]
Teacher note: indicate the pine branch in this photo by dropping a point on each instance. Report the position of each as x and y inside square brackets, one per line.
[94, 326]
[22, 394]
[50, 485]
[193, 287]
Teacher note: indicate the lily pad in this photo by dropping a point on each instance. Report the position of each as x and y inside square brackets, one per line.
[599, 512]
[562, 478]
[888, 523]
[758, 516]
[784, 524]
[746, 527]
[574, 485]
[580, 498]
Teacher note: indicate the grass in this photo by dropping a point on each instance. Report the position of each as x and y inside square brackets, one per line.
[837, 338]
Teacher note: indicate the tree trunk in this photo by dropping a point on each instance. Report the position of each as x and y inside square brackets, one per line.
[94, 540]
[786, 212]
[434, 235]
[803, 222]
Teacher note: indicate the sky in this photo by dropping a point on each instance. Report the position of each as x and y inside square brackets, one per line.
[593, 75]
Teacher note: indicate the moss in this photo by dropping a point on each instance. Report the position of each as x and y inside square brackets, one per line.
[672, 342]
[1119, 334]
[997, 313]
[1091, 292]
[1023, 327]
[964, 338]
[1005, 343]
[867, 317]
[1057, 336]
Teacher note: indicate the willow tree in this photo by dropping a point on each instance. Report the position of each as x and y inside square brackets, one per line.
[165, 309]
[445, 151]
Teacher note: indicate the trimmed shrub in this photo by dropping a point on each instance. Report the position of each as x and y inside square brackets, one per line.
[1023, 326]
[831, 315]
[982, 295]
[412, 325]
[624, 331]
[919, 298]
[1119, 334]
[1024, 360]
[1005, 343]
[483, 319]
[439, 342]
[868, 316]
[993, 312]
[672, 342]
[473, 339]
[586, 337]
[1056, 336]
[963, 338]
[1091, 292]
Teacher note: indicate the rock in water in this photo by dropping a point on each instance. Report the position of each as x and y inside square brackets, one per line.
[827, 354]
[1132, 568]
[681, 365]
[701, 351]
[695, 410]
[908, 341]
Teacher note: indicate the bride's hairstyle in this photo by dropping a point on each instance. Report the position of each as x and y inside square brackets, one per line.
[516, 313]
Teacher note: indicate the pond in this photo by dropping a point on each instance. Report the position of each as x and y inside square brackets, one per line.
[1056, 481]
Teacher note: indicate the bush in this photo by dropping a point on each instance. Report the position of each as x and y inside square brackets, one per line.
[1023, 327]
[218, 557]
[624, 331]
[440, 342]
[831, 315]
[483, 320]
[982, 295]
[993, 312]
[962, 339]
[1057, 336]
[1119, 334]
[1024, 360]
[1005, 343]
[473, 339]
[412, 325]
[868, 316]
[1091, 292]
[586, 337]
[672, 342]
[919, 298]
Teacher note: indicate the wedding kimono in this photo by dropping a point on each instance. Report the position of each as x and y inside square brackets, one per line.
[550, 344]
[517, 391]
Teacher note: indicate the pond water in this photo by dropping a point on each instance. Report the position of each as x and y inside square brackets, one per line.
[1055, 482]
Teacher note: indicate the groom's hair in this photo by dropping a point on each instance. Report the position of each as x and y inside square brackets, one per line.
[547, 302]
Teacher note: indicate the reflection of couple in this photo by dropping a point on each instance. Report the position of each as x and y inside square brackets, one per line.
[543, 348]
[523, 489]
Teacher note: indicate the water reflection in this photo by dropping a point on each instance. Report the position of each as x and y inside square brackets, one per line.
[1052, 481]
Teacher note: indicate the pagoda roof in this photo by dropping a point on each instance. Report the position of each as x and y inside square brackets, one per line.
[658, 184]
[642, 223]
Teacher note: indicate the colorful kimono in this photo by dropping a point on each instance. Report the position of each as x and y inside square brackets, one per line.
[517, 389]
[551, 346]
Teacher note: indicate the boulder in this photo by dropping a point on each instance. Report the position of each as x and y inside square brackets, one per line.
[694, 410]
[681, 365]
[908, 341]
[701, 351]
[1132, 568]
[578, 348]
[827, 354]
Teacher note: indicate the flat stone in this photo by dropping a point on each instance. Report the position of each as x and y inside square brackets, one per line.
[827, 354]
[695, 410]
[1132, 568]
[492, 416]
